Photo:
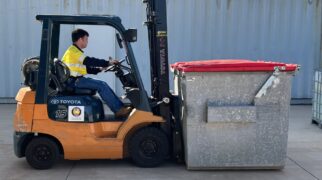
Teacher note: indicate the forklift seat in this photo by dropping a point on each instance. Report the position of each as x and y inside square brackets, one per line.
[62, 76]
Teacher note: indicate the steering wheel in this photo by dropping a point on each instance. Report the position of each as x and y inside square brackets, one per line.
[119, 65]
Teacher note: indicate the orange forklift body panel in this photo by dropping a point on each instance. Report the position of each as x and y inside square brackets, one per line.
[96, 140]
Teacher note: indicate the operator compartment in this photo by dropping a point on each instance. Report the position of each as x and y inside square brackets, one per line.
[75, 108]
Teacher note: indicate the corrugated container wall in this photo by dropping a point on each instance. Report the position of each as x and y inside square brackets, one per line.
[277, 30]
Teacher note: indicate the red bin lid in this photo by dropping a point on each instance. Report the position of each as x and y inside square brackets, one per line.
[232, 65]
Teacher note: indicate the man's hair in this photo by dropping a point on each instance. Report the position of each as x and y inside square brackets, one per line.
[78, 33]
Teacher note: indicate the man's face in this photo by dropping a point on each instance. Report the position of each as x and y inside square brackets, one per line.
[83, 42]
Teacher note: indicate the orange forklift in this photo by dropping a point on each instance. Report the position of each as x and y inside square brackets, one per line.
[53, 120]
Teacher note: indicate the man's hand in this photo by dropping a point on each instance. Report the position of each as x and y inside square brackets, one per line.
[113, 61]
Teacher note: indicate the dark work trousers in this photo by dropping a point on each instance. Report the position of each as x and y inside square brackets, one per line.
[104, 90]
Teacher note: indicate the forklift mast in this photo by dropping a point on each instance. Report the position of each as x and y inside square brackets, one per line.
[156, 23]
[158, 44]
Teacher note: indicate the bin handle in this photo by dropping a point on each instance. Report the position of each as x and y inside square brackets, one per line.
[271, 81]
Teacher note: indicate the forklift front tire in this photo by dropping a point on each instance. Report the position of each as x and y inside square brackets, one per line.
[148, 147]
[42, 153]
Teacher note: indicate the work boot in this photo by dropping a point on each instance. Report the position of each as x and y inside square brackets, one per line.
[123, 112]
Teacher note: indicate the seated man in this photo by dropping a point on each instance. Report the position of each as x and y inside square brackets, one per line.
[80, 65]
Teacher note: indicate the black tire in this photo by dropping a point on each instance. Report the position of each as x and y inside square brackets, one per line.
[148, 147]
[42, 153]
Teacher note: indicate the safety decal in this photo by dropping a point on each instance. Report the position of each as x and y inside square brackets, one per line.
[76, 113]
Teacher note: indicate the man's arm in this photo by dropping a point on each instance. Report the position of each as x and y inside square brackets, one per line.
[92, 70]
[94, 65]
[95, 62]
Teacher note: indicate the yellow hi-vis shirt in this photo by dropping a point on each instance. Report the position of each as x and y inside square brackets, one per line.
[74, 58]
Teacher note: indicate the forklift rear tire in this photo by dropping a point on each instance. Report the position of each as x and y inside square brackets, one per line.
[148, 147]
[42, 153]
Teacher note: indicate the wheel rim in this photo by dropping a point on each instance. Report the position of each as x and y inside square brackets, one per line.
[149, 148]
[42, 153]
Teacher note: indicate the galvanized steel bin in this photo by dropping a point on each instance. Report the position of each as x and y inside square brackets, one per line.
[234, 113]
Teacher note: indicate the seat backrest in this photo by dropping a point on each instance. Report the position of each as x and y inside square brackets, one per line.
[61, 71]
[62, 74]
[59, 75]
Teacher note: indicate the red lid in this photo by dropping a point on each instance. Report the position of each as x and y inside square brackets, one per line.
[231, 66]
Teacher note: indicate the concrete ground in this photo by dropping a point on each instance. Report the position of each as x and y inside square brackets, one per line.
[304, 161]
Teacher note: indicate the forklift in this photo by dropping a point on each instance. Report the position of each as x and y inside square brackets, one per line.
[53, 120]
